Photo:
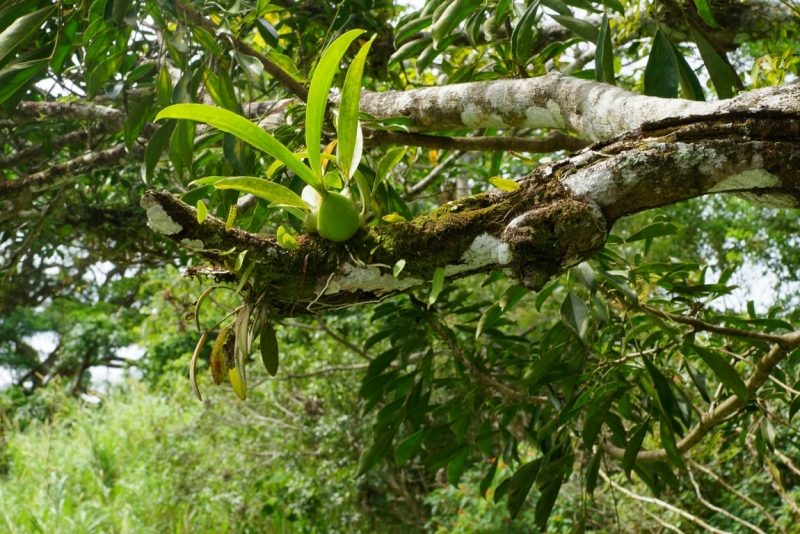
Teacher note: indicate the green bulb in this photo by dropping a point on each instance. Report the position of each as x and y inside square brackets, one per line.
[337, 217]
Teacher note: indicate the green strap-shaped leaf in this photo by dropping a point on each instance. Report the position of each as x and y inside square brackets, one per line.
[486, 481]
[22, 29]
[265, 189]
[520, 485]
[234, 124]
[455, 12]
[387, 163]
[704, 10]
[575, 315]
[270, 354]
[318, 98]
[524, 34]
[348, 149]
[661, 76]
[595, 418]
[721, 75]
[583, 29]
[604, 56]
[632, 449]
[436, 287]
[658, 229]
[665, 396]
[14, 77]
[413, 27]
[406, 448]
[690, 85]
[409, 49]
[724, 371]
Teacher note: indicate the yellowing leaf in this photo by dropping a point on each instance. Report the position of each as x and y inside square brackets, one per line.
[503, 184]
[231, 218]
[202, 211]
[394, 218]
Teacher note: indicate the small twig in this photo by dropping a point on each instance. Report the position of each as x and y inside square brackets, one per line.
[739, 494]
[342, 340]
[658, 502]
[432, 176]
[717, 509]
[552, 143]
[499, 386]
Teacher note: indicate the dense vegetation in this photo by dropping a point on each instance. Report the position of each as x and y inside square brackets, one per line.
[649, 388]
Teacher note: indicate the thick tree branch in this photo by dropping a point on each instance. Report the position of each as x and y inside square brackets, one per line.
[21, 190]
[593, 110]
[559, 217]
[555, 141]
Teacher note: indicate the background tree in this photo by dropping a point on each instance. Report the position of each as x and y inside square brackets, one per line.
[544, 146]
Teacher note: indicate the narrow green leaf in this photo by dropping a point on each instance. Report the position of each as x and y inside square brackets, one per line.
[409, 49]
[488, 318]
[436, 287]
[520, 485]
[406, 448]
[721, 75]
[524, 34]
[698, 378]
[584, 30]
[575, 315]
[398, 268]
[103, 72]
[272, 191]
[206, 40]
[202, 211]
[411, 28]
[547, 499]
[658, 229]
[234, 124]
[511, 296]
[661, 76]
[544, 294]
[592, 470]
[349, 149]
[270, 354]
[486, 481]
[17, 76]
[455, 12]
[633, 447]
[665, 396]
[456, 466]
[690, 85]
[595, 418]
[704, 10]
[372, 455]
[155, 147]
[66, 43]
[318, 98]
[20, 31]
[164, 87]
[604, 56]
[669, 443]
[724, 372]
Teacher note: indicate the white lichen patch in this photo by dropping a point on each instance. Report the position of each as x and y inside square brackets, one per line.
[555, 112]
[752, 179]
[158, 219]
[476, 117]
[193, 243]
[543, 117]
[772, 200]
[484, 250]
[369, 279]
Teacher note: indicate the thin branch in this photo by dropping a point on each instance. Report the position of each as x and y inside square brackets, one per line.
[332, 369]
[731, 405]
[61, 174]
[35, 231]
[432, 176]
[708, 327]
[486, 379]
[36, 152]
[342, 340]
[787, 462]
[658, 502]
[739, 494]
[26, 112]
[273, 69]
[552, 143]
[717, 509]
[659, 520]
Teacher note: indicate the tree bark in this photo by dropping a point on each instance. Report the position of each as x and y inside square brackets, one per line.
[560, 216]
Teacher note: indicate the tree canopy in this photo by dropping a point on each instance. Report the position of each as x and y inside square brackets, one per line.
[559, 237]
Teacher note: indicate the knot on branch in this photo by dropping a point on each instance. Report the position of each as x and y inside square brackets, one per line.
[553, 237]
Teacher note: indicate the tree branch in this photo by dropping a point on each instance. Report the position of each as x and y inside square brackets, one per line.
[719, 510]
[732, 404]
[273, 69]
[555, 141]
